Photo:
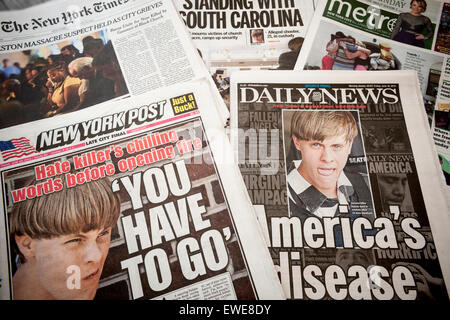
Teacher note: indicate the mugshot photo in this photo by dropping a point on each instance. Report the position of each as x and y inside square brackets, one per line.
[257, 36]
[321, 181]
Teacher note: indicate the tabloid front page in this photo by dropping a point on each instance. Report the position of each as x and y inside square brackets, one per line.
[61, 57]
[344, 179]
[246, 35]
[140, 200]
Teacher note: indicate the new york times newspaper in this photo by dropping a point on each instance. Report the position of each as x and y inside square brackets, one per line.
[61, 57]
[383, 35]
[139, 201]
[244, 35]
[345, 183]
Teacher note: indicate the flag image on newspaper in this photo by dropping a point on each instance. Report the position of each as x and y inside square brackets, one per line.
[141, 200]
[16, 148]
[345, 183]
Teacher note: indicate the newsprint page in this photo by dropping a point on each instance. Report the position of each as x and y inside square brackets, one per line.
[246, 35]
[385, 35]
[343, 175]
[63, 56]
[140, 200]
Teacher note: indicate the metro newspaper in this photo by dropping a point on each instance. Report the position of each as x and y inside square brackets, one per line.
[345, 183]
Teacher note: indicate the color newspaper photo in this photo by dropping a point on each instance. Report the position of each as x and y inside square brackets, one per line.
[82, 225]
[59, 78]
[382, 35]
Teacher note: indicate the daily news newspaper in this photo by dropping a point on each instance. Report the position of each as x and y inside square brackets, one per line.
[139, 200]
[344, 178]
[244, 35]
[64, 56]
[385, 35]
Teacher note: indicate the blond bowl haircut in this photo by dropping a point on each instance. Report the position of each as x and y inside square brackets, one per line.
[86, 207]
[320, 125]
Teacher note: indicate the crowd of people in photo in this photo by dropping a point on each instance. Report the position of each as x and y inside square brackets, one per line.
[344, 52]
[59, 83]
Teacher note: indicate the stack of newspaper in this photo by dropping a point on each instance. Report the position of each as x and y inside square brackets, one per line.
[119, 179]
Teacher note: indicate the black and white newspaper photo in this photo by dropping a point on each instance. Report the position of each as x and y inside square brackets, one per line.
[345, 183]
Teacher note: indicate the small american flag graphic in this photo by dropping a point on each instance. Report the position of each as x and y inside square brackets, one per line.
[16, 148]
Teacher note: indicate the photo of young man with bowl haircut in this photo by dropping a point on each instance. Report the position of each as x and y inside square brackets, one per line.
[319, 185]
[59, 235]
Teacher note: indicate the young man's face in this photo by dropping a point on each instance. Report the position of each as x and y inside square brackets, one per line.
[392, 188]
[323, 161]
[53, 257]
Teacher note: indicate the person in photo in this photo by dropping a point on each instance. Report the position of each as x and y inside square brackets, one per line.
[257, 36]
[62, 89]
[345, 258]
[393, 188]
[94, 88]
[360, 54]
[60, 236]
[318, 185]
[287, 60]
[410, 26]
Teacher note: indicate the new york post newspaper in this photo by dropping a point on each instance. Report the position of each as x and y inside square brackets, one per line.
[117, 177]
[139, 201]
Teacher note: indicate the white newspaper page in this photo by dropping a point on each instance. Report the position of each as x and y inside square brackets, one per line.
[61, 57]
[246, 35]
[140, 200]
[345, 182]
